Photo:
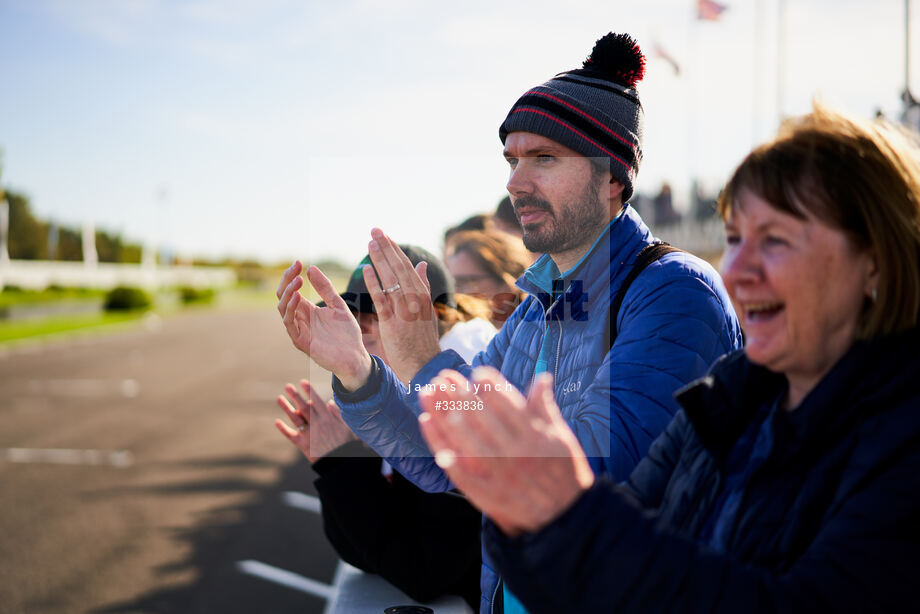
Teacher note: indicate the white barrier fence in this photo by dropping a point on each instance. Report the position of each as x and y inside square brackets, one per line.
[39, 274]
[704, 238]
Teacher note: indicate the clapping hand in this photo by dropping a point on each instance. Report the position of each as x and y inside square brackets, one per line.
[402, 299]
[318, 425]
[329, 335]
[516, 459]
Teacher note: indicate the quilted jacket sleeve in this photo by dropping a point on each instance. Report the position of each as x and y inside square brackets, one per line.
[387, 419]
[671, 328]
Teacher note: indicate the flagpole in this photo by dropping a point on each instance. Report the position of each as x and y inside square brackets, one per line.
[692, 74]
[756, 73]
[907, 46]
[910, 113]
[780, 60]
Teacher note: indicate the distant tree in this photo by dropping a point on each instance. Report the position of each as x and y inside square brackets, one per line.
[108, 247]
[131, 253]
[247, 271]
[70, 244]
[333, 267]
[28, 236]
[112, 248]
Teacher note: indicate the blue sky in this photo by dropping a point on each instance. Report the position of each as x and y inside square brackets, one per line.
[281, 129]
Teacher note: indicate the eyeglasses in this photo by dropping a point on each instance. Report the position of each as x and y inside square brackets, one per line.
[470, 284]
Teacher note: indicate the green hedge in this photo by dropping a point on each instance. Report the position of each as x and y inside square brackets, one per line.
[126, 298]
[189, 295]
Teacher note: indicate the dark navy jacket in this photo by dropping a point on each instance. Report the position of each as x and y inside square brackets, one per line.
[829, 523]
[675, 320]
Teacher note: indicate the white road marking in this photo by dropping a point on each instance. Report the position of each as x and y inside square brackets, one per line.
[302, 501]
[286, 578]
[127, 388]
[340, 573]
[153, 323]
[293, 580]
[62, 456]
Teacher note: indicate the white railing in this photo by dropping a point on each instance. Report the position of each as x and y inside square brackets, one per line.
[39, 274]
[704, 238]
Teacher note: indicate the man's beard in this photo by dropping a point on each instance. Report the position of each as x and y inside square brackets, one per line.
[581, 221]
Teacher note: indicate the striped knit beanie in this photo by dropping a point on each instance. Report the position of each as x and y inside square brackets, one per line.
[594, 110]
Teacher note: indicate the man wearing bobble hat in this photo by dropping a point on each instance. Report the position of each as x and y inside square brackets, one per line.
[619, 320]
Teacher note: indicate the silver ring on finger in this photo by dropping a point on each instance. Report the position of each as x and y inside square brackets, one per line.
[302, 427]
[392, 288]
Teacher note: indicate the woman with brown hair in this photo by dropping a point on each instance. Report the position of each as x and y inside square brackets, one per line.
[486, 263]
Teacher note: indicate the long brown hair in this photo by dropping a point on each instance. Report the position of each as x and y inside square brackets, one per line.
[468, 307]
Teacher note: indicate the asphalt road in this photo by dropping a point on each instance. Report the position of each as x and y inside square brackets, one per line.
[177, 473]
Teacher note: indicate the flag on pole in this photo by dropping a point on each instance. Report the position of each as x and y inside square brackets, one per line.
[660, 53]
[709, 10]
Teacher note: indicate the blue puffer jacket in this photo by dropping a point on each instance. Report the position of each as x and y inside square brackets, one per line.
[675, 320]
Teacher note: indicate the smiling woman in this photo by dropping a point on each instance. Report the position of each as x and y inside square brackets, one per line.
[799, 286]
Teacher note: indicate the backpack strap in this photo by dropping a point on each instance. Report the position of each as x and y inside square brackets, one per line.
[649, 254]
